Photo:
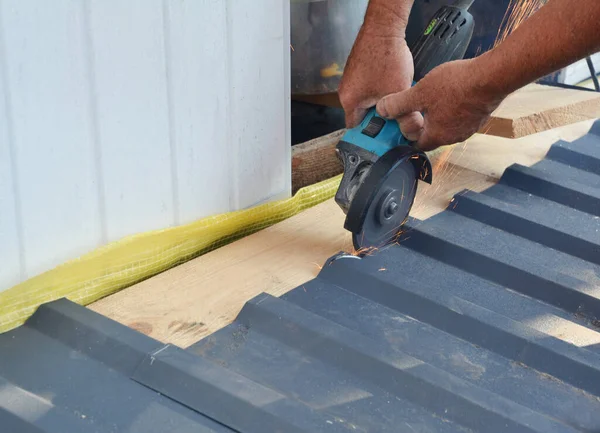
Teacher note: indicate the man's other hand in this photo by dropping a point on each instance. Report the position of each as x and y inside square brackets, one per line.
[454, 100]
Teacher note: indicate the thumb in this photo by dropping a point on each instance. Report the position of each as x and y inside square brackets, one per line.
[399, 104]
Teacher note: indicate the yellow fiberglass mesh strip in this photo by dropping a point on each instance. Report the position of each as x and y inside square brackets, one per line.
[125, 262]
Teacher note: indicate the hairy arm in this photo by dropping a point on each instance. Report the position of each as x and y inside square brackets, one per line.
[380, 62]
[560, 33]
[457, 98]
[387, 17]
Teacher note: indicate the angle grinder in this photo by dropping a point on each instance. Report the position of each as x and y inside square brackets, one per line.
[381, 167]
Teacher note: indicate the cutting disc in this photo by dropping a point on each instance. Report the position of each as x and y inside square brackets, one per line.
[382, 203]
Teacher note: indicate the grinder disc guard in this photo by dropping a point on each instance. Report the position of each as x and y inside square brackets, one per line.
[388, 211]
[384, 199]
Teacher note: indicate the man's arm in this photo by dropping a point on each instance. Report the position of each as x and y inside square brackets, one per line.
[457, 98]
[380, 62]
[387, 17]
[559, 34]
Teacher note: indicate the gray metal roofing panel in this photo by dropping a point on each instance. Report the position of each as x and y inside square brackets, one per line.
[559, 186]
[483, 318]
[568, 153]
[68, 370]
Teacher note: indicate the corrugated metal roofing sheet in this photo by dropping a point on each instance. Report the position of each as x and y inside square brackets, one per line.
[483, 319]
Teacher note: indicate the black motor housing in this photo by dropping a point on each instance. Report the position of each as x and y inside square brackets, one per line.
[445, 39]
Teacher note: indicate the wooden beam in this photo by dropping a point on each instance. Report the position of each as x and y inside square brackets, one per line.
[193, 300]
[536, 108]
[315, 160]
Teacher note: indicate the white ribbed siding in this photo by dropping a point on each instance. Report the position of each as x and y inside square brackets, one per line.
[122, 116]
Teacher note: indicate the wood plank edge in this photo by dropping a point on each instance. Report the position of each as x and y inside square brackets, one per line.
[315, 161]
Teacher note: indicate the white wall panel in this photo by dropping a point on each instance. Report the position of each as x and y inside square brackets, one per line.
[131, 101]
[12, 268]
[120, 117]
[198, 78]
[258, 67]
[51, 134]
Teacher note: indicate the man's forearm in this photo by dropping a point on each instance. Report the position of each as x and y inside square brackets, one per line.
[559, 34]
[387, 17]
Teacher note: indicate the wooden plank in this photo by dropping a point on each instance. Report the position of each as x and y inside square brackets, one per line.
[315, 161]
[537, 108]
[195, 299]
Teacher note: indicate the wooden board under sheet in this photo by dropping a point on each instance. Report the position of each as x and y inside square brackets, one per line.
[193, 300]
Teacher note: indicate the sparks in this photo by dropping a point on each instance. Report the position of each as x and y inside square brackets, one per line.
[365, 251]
[520, 10]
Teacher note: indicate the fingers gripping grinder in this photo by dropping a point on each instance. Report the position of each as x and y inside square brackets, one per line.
[381, 167]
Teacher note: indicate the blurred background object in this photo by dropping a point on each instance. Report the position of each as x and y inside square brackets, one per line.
[322, 34]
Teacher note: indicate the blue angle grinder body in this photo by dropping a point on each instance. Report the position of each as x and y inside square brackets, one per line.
[381, 167]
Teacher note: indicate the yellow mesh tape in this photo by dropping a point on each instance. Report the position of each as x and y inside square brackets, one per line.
[120, 264]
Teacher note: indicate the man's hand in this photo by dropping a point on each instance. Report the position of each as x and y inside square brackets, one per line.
[377, 66]
[454, 100]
